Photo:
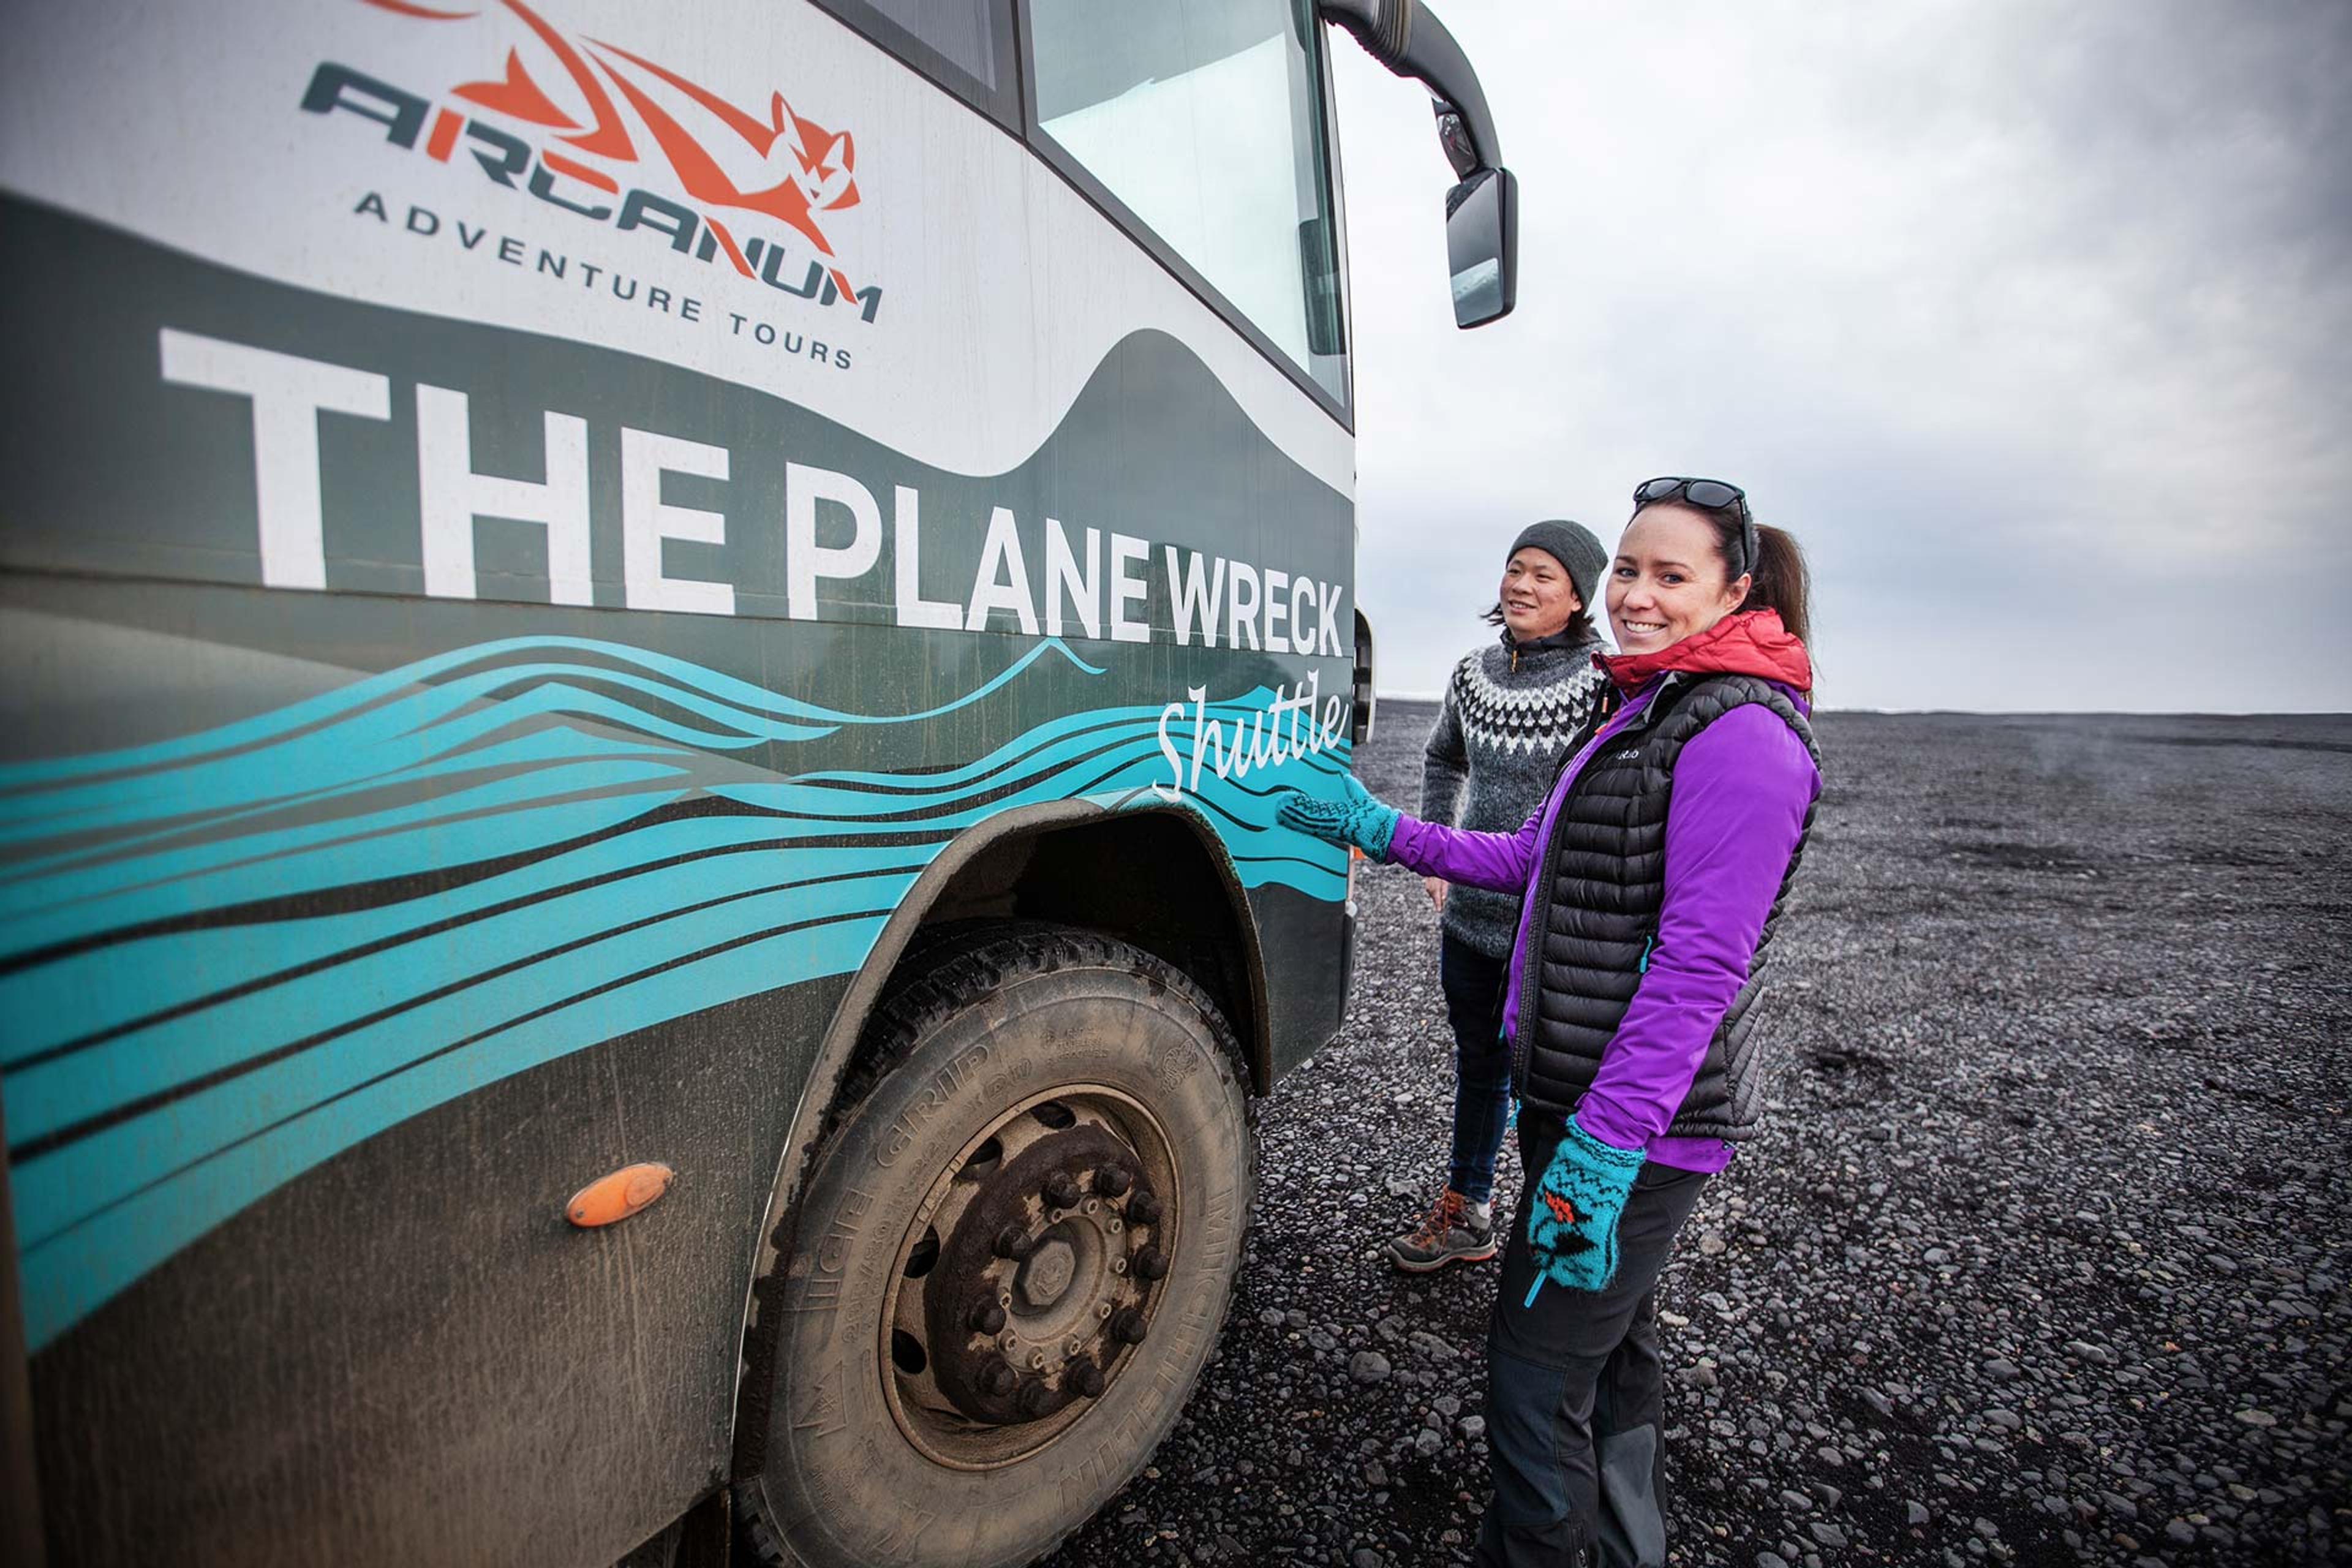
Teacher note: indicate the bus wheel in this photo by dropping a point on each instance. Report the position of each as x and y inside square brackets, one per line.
[1010, 1263]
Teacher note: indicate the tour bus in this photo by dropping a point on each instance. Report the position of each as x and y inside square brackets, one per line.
[649, 656]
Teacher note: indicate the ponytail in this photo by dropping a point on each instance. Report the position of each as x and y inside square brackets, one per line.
[1780, 581]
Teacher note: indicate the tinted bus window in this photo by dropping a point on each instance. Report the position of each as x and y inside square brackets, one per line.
[965, 45]
[1206, 121]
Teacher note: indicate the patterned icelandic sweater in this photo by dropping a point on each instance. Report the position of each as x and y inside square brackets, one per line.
[1508, 717]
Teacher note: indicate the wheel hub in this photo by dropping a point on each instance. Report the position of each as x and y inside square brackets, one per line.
[1045, 1275]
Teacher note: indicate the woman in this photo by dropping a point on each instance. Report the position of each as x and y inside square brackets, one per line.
[1511, 709]
[1651, 879]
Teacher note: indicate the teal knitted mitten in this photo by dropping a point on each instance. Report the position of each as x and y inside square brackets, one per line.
[1572, 1230]
[1358, 817]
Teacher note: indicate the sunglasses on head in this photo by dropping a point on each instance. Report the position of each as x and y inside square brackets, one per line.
[1713, 495]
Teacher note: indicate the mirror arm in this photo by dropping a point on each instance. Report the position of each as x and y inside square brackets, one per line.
[1408, 38]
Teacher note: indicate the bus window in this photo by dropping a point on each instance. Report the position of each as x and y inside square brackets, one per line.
[965, 45]
[1204, 119]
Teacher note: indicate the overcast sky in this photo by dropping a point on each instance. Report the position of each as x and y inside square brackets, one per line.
[2033, 321]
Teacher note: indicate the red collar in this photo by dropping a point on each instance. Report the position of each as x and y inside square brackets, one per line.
[1753, 642]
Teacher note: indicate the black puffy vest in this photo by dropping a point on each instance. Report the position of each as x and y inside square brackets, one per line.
[1599, 885]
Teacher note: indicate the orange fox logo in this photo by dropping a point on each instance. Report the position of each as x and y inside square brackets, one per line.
[778, 164]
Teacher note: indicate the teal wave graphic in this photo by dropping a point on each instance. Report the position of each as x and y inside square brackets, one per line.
[228, 957]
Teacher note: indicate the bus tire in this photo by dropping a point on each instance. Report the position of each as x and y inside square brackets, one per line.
[1010, 1263]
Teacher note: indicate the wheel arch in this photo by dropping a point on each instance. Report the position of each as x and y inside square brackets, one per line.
[1016, 866]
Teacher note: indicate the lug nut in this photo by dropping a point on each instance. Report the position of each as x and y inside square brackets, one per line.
[1143, 1209]
[1127, 1326]
[1151, 1263]
[986, 1318]
[1060, 1190]
[1111, 1181]
[1035, 1397]
[1087, 1379]
[1014, 1242]
[996, 1379]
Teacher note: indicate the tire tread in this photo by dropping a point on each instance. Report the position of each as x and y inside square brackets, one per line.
[941, 979]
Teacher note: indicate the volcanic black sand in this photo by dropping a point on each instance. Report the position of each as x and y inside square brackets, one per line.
[2042, 1259]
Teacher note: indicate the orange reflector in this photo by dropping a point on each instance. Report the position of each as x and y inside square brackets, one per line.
[618, 1195]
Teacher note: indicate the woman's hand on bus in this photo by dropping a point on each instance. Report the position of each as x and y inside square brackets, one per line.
[1436, 886]
[1357, 817]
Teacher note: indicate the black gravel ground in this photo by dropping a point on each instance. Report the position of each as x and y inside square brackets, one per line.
[2043, 1258]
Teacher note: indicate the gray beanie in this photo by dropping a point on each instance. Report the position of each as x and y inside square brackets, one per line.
[1572, 545]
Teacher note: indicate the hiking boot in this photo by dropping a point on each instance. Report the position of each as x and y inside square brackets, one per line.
[1455, 1230]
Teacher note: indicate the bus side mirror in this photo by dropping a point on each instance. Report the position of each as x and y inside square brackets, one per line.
[1482, 212]
[1482, 245]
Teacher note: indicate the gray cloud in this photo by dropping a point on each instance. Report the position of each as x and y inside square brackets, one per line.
[2035, 323]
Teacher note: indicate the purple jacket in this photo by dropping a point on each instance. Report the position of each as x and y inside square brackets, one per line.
[1742, 787]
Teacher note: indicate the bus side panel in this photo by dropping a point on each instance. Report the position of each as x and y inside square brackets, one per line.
[1301, 936]
[409, 1355]
[309, 943]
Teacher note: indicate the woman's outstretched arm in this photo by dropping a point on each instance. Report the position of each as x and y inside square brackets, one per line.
[1498, 860]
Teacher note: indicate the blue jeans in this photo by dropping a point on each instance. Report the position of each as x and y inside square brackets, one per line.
[1482, 1063]
[1575, 1394]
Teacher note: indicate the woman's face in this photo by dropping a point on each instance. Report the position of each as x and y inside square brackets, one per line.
[1667, 580]
[1538, 598]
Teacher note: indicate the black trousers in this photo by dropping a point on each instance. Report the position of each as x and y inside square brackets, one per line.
[1575, 1392]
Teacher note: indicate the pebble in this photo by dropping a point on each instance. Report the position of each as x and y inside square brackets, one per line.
[1369, 1366]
